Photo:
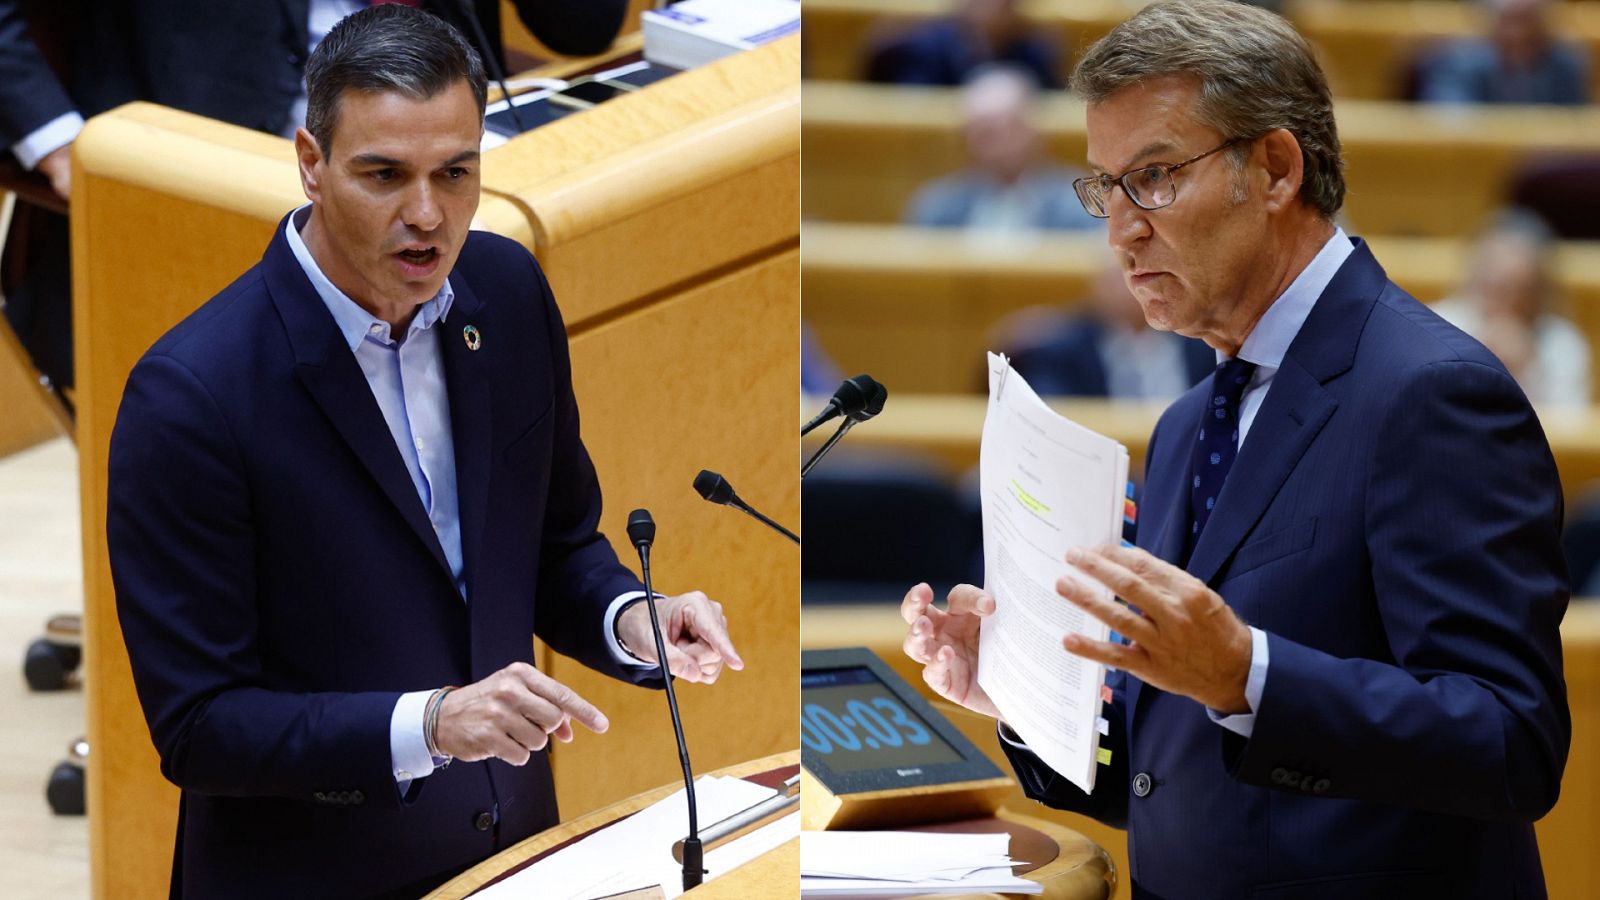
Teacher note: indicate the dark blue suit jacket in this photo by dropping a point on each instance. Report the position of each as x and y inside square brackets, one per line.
[1392, 524]
[279, 584]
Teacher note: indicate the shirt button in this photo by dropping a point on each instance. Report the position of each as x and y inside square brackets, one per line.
[483, 821]
[419, 443]
[376, 329]
[1141, 785]
[403, 775]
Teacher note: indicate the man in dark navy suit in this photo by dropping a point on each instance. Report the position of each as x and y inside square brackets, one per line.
[352, 482]
[1343, 675]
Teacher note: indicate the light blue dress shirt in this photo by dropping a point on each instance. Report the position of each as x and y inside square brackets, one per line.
[407, 380]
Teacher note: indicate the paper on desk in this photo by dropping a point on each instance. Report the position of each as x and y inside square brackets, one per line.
[636, 852]
[899, 863]
[1047, 484]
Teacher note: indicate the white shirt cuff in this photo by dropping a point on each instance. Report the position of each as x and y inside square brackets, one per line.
[52, 136]
[620, 655]
[408, 746]
[1254, 683]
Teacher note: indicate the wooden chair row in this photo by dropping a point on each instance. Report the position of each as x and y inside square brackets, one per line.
[914, 306]
[1410, 170]
[1366, 46]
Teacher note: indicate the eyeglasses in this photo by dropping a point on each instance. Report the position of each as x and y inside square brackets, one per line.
[1149, 187]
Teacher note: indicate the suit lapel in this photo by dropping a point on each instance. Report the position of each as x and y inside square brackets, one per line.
[468, 381]
[1297, 406]
[333, 378]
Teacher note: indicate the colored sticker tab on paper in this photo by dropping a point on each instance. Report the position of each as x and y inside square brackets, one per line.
[1105, 693]
[1103, 756]
[1102, 726]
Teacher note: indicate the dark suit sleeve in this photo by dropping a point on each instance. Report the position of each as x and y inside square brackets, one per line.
[574, 27]
[30, 95]
[1108, 802]
[1470, 716]
[579, 574]
[183, 559]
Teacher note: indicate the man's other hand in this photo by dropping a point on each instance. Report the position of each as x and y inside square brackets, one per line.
[1185, 639]
[57, 166]
[946, 643]
[510, 715]
[694, 631]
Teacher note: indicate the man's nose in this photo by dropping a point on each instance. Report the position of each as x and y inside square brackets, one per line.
[422, 210]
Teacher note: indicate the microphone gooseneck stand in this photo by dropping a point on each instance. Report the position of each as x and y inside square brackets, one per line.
[642, 531]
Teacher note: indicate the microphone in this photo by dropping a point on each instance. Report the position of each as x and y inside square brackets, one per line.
[715, 488]
[642, 532]
[859, 398]
[871, 394]
[491, 60]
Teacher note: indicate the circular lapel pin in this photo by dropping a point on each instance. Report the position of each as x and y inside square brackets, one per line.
[473, 338]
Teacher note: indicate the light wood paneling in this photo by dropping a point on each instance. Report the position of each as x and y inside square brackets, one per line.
[168, 208]
[1410, 170]
[948, 427]
[914, 306]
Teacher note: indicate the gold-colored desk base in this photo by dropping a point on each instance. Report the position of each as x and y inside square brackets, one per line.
[774, 874]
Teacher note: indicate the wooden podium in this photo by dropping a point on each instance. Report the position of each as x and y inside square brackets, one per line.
[1070, 866]
[667, 222]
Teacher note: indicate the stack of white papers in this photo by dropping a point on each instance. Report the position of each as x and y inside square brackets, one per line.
[695, 32]
[636, 853]
[845, 864]
[1048, 484]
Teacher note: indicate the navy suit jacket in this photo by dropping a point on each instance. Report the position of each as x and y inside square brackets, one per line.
[279, 584]
[1392, 524]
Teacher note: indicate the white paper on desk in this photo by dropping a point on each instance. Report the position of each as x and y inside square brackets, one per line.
[898, 863]
[1047, 484]
[636, 852]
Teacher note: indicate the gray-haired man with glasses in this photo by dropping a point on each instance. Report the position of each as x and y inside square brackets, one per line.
[1341, 673]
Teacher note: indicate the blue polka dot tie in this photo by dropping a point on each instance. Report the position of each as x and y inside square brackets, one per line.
[1216, 444]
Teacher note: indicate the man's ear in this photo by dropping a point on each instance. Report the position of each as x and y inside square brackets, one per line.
[1285, 168]
[309, 155]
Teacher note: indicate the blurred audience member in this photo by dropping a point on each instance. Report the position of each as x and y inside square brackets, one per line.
[818, 372]
[1008, 185]
[1520, 61]
[948, 51]
[1106, 350]
[1507, 304]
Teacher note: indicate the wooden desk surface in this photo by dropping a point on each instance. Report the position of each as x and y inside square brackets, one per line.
[1364, 44]
[1410, 170]
[475, 878]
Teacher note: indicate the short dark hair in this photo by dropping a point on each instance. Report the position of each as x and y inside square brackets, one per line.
[1256, 74]
[389, 47]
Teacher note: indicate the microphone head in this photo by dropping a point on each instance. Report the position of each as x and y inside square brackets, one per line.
[852, 395]
[641, 528]
[713, 487]
[872, 393]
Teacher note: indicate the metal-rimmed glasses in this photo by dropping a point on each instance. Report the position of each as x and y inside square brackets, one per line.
[1149, 187]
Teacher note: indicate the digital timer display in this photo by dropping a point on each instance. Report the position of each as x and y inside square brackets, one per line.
[857, 723]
